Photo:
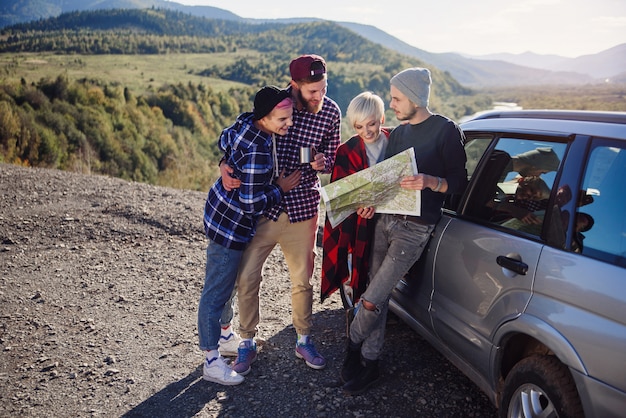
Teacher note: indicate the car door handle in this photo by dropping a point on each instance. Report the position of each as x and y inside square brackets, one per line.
[516, 266]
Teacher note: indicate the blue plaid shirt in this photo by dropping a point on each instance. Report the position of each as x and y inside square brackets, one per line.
[230, 217]
[321, 130]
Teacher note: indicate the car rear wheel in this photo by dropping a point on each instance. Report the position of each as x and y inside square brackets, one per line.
[540, 386]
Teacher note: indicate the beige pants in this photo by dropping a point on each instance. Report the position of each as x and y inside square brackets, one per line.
[297, 241]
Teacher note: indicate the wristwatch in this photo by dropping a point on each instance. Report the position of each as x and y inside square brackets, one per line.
[439, 183]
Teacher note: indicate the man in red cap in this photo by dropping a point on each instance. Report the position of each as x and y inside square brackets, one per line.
[293, 222]
[308, 81]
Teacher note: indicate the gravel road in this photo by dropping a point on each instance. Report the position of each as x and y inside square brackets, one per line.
[99, 285]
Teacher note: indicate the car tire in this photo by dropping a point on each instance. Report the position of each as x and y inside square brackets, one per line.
[540, 386]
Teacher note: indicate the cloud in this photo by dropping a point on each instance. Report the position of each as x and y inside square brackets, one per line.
[610, 21]
[564, 27]
[531, 6]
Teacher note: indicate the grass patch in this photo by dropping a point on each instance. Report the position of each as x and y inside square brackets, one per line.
[139, 73]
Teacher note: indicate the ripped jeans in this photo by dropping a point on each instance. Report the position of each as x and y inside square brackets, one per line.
[397, 245]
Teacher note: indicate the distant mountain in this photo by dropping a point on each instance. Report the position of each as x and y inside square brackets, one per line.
[469, 71]
[607, 64]
[472, 71]
[526, 59]
[619, 78]
[21, 11]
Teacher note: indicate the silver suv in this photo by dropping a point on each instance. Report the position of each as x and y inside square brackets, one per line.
[523, 285]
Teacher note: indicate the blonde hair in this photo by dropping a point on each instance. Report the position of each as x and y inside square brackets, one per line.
[363, 106]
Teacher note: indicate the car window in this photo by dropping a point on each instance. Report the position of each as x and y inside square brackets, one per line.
[600, 227]
[515, 183]
[474, 150]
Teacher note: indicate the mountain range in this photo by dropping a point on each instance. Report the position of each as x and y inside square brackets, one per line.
[473, 71]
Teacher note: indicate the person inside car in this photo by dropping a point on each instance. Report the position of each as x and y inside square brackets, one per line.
[531, 195]
[500, 168]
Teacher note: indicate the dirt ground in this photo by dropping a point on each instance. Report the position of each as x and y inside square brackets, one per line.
[100, 280]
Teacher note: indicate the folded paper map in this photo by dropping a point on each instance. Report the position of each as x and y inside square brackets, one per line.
[377, 186]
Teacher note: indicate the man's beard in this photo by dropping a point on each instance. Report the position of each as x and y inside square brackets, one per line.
[409, 115]
[309, 106]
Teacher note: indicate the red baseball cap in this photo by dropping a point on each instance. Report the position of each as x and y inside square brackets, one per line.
[306, 66]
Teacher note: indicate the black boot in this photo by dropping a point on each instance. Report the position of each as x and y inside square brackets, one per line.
[352, 364]
[368, 375]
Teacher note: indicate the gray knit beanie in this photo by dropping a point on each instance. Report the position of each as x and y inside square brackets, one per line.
[414, 83]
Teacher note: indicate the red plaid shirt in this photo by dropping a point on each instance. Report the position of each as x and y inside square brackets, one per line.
[353, 235]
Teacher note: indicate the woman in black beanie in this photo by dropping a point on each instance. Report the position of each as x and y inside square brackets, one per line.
[230, 216]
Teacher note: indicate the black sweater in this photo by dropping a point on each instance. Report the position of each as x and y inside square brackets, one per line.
[439, 151]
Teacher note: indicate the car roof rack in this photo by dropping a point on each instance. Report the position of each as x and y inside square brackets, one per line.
[578, 115]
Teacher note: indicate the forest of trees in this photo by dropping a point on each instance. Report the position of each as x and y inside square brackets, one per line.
[169, 32]
[166, 138]
[168, 135]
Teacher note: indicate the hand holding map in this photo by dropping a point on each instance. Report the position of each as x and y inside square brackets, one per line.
[377, 186]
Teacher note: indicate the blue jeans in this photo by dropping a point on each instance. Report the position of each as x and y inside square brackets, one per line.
[229, 309]
[397, 245]
[219, 281]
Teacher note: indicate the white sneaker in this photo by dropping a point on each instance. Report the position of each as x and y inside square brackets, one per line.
[228, 345]
[216, 370]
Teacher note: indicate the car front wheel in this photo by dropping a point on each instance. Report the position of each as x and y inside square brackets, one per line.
[540, 386]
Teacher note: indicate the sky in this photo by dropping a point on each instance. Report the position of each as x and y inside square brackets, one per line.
[568, 28]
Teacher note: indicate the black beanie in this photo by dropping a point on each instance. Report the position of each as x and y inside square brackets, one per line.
[266, 99]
